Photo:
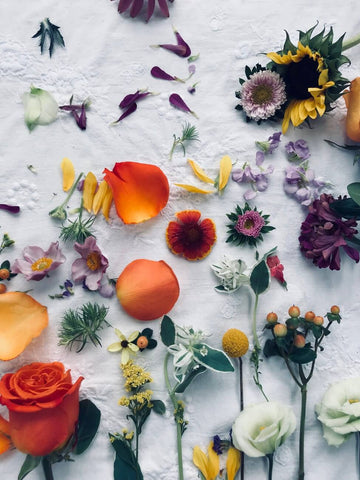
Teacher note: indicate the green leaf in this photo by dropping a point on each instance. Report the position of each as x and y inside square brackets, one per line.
[260, 278]
[158, 406]
[189, 378]
[354, 191]
[212, 358]
[346, 208]
[167, 331]
[89, 419]
[125, 466]
[271, 349]
[28, 466]
[302, 355]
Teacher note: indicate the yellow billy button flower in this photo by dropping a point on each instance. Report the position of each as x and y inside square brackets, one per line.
[90, 184]
[235, 343]
[68, 172]
[232, 463]
[209, 465]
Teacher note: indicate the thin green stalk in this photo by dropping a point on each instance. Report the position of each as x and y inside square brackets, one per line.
[302, 432]
[47, 469]
[270, 457]
[136, 444]
[351, 43]
[255, 337]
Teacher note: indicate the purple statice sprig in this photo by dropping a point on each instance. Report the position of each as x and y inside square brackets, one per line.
[129, 103]
[181, 48]
[67, 290]
[78, 111]
[177, 102]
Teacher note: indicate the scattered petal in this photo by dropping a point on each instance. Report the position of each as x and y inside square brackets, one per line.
[177, 102]
[199, 172]
[68, 172]
[89, 188]
[192, 189]
[10, 208]
[225, 170]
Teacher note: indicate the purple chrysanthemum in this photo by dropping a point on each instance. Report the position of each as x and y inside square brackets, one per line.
[91, 266]
[262, 95]
[250, 224]
[323, 233]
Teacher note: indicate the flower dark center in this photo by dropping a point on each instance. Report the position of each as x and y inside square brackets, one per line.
[124, 344]
[249, 223]
[301, 76]
[262, 94]
[93, 261]
[192, 234]
[41, 264]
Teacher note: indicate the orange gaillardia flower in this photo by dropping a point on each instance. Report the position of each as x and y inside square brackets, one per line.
[147, 289]
[190, 237]
[21, 319]
[43, 406]
[140, 190]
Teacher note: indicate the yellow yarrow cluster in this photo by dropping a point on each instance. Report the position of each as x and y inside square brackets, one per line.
[235, 343]
[135, 376]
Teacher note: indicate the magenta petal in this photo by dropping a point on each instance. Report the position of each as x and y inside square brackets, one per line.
[164, 8]
[124, 5]
[82, 120]
[136, 7]
[132, 98]
[157, 72]
[10, 208]
[178, 102]
[179, 50]
[127, 112]
[181, 42]
[150, 9]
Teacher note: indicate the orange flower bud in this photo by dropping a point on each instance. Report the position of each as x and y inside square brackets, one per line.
[4, 273]
[147, 289]
[309, 316]
[3, 288]
[318, 320]
[142, 342]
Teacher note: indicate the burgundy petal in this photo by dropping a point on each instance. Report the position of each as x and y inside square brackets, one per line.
[82, 120]
[164, 8]
[128, 112]
[150, 9]
[136, 7]
[132, 98]
[157, 72]
[10, 208]
[181, 42]
[124, 5]
[179, 50]
[176, 101]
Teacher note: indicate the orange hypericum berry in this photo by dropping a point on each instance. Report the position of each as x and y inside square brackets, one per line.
[142, 342]
[334, 309]
[299, 341]
[272, 317]
[280, 330]
[294, 311]
[4, 273]
[309, 316]
[318, 320]
[3, 288]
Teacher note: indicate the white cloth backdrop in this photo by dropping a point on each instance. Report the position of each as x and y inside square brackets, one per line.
[107, 56]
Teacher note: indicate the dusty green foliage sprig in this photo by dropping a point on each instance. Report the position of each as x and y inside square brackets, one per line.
[189, 133]
[6, 242]
[80, 326]
[79, 229]
[52, 31]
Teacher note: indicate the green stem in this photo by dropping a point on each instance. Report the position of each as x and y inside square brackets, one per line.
[270, 457]
[302, 433]
[255, 337]
[136, 444]
[72, 189]
[351, 43]
[47, 469]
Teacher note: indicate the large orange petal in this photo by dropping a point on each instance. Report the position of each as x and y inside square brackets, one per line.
[353, 111]
[140, 190]
[147, 289]
[21, 319]
[5, 442]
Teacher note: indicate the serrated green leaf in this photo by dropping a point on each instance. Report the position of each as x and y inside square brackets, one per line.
[28, 466]
[212, 358]
[89, 419]
[167, 331]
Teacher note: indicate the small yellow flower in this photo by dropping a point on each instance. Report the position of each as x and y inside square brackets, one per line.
[125, 346]
[135, 376]
[209, 465]
[235, 343]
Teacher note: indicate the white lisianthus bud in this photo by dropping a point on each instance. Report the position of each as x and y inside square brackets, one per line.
[40, 107]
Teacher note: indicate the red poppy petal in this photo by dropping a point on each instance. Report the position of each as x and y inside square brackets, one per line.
[140, 190]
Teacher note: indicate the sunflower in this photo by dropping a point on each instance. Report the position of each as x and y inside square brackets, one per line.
[311, 74]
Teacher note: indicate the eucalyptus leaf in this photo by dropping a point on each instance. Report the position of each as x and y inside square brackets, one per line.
[28, 466]
[167, 331]
[212, 358]
[189, 378]
[158, 406]
[89, 419]
[354, 191]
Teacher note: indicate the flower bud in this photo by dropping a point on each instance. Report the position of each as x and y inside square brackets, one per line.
[280, 330]
[272, 317]
[309, 316]
[294, 311]
[335, 310]
[318, 320]
[299, 341]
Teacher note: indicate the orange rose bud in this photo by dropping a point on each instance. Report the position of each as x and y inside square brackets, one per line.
[4, 273]
[318, 320]
[272, 317]
[352, 100]
[294, 311]
[147, 289]
[309, 316]
[142, 342]
[335, 310]
[43, 406]
[3, 288]
[299, 341]
[280, 330]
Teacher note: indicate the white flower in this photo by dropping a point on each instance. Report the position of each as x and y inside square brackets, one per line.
[232, 273]
[182, 350]
[261, 428]
[40, 107]
[339, 411]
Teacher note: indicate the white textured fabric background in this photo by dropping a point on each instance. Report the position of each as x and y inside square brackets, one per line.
[106, 57]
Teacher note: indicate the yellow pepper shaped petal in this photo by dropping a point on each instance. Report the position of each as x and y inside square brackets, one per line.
[192, 189]
[90, 184]
[225, 170]
[106, 204]
[214, 462]
[199, 172]
[68, 172]
[99, 197]
[232, 463]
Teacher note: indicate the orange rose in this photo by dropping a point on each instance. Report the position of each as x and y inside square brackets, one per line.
[43, 406]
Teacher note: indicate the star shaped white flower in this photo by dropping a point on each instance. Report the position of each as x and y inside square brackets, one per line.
[125, 346]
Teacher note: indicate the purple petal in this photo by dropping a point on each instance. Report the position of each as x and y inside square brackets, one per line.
[181, 42]
[164, 8]
[177, 102]
[150, 9]
[127, 112]
[124, 5]
[132, 98]
[260, 157]
[157, 72]
[136, 7]
[249, 194]
[352, 252]
[10, 208]
[82, 120]
[179, 50]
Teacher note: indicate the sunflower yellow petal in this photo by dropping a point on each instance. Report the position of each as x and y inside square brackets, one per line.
[214, 462]
[199, 172]
[99, 196]
[280, 59]
[106, 204]
[192, 189]
[323, 77]
[286, 120]
[90, 184]
[232, 463]
[225, 170]
[200, 460]
[68, 173]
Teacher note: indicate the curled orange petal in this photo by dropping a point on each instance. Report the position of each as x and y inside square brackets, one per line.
[21, 319]
[90, 184]
[353, 111]
[68, 172]
[147, 289]
[140, 190]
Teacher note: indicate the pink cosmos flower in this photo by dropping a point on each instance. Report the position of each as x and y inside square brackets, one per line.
[92, 265]
[250, 224]
[37, 263]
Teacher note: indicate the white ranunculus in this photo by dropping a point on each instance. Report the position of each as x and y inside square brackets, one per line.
[261, 428]
[40, 107]
[339, 411]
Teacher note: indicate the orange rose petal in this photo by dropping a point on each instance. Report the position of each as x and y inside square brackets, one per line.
[21, 319]
[353, 111]
[147, 289]
[140, 190]
[5, 442]
[90, 184]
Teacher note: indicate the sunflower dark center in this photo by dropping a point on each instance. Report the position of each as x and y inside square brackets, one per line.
[262, 94]
[192, 234]
[301, 76]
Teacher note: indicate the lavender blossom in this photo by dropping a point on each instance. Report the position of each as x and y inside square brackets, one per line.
[300, 182]
[297, 151]
[257, 176]
[271, 144]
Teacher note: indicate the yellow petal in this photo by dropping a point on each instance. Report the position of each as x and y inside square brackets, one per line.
[106, 204]
[232, 463]
[214, 462]
[200, 460]
[192, 189]
[199, 172]
[99, 196]
[68, 172]
[90, 184]
[225, 170]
